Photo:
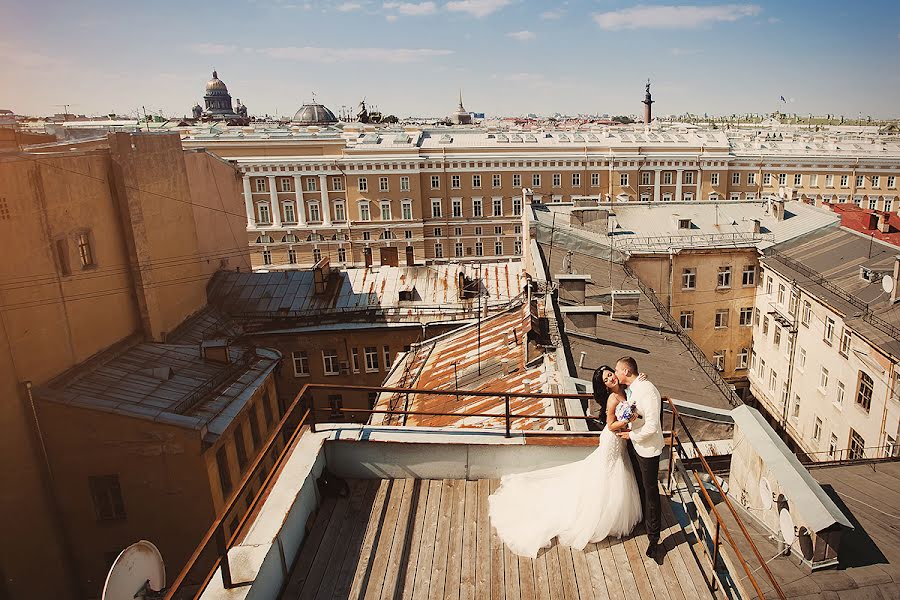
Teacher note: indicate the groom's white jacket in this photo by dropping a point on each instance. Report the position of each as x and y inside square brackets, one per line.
[646, 430]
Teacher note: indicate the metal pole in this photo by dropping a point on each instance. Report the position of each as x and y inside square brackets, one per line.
[222, 548]
[715, 557]
[455, 379]
[508, 419]
[479, 319]
[312, 413]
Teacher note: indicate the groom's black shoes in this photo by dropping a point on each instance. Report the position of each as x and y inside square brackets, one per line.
[652, 549]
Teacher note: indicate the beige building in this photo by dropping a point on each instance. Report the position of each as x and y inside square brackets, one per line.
[363, 195]
[104, 246]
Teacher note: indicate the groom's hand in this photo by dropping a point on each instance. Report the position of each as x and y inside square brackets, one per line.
[624, 435]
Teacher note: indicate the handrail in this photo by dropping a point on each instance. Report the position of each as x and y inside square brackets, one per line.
[719, 522]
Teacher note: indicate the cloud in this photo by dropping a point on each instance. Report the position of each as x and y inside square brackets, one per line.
[534, 80]
[552, 15]
[391, 18]
[212, 49]
[412, 9]
[773, 20]
[673, 17]
[348, 6]
[683, 51]
[336, 55]
[522, 36]
[477, 8]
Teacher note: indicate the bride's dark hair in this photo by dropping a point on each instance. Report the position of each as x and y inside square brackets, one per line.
[601, 393]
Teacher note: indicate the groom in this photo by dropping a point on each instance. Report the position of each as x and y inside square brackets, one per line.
[646, 444]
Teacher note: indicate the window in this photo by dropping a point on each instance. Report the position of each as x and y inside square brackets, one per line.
[330, 360]
[557, 180]
[724, 279]
[458, 250]
[224, 471]
[781, 293]
[576, 179]
[363, 184]
[367, 235]
[341, 254]
[267, 257]
[454, 182]
[792, 308]
[805, 313]
[762, 368]
[107, 496]
[536, 180]
[383, 184]
[688, 279]
[832, 446]
[435, 182]
[386, 350]
[736, 178]
[667, 178]
[478, 230]
[364, 213]
[860, 181]
[746, 317]
[314, 215]
[404, 183]
[435, 208]
[457, 231]
[769, 284]
[240, 448]
[517, 181]
[887, 205]
[456, 207]
[892, 182]
[354, 359]
[798, 179]
[748, 277]
[595, 179]
[336, 404]
[687, 319]
[517, 247]
[813, 180]
[689, 177]
[756, 316]
[476, 207]
[438, 250]
[829, 181]
[285, 184]
[495, 181]
[517, 206]
[289, 215]
[438, 232]
[873, 203]
[857, 449]
[714, 179]
[765, 327]
[743, 358]
[498, 248]
[751, 178]
[263, 214]
[623, 179]
[479, 248]
[829, 330]
[407, 234]
[406, 210]
[782, 179]
[498, 207]
[385, 211]
[645, 178]
[773, 380]
[823, 379]
[719, 360]
[776, 337]
[767, 179]
[795, 409]
[311, 184]
[844, 348]
[301, 363]
[254, 426]
[337, 184]
[476, 181]
[802, 359]
[498, 230]
[371, 355]
[260, 185]
[721, 319]
[864, 390]
[845, 181]
[817, 429]
[841, 392]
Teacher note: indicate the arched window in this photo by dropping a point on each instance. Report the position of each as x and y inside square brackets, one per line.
[264, 239]
[289, 238]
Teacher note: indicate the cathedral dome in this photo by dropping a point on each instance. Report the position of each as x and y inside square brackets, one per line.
[216, 86]
[314, 114]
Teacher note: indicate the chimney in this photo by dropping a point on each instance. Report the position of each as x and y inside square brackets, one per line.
[778, 209]
[755, 226]
[625, 304]
[215, 351]
[884, 224]
[895, 288]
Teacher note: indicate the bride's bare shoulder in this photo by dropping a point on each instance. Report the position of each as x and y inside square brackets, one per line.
[614, 398]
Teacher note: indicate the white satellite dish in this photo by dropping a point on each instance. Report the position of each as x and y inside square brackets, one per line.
[139, 566]
[787, 526]
[765, 493]
[887, 284]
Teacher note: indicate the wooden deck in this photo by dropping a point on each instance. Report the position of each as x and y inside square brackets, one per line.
[412, 538]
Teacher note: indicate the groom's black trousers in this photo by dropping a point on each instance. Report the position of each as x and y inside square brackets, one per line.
[647, 472]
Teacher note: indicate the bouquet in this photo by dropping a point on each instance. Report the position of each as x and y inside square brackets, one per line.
[625, 410]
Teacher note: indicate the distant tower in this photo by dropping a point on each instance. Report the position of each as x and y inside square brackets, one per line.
[647, 102]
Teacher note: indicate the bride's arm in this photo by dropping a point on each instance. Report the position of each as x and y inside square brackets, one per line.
[611, 402]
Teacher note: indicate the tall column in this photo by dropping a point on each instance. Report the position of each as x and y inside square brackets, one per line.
[276, 206]
[326, 207]
[678, 174]
[298, 196]
[699, 179]
[248, 203]
[657, 171]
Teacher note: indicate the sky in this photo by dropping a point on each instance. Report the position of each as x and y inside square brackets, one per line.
[508, 57]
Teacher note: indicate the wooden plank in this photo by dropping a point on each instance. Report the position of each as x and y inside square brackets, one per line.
[690, 550]
[623, 568]
[361, 497]
[401, 542]
[455, 547]
[666, 570]
[610, 572]
[582, 575]
[595, 569]
[483, 542]
[567, 572]
[303, 562]
[468, 566]
[326, 547]
[375, 579]
[635, 556]
[426, 547]
[676, 560]
[420, 500]
[654, 571]
[439, 565]
[347, 567]
[367, 551]
[498, 585]
[541, 578]
[526, 578]
[511, 574]
[553, 572]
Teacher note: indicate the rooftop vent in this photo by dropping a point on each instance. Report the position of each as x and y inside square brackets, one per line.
[467, 287]
[625, 305]
[215, 350]
[321, 274]
[159, 373]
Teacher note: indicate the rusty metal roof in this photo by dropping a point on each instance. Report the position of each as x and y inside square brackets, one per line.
[451, 362]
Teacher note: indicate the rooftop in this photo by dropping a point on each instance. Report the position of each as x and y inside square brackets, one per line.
[166, 383]
[868, 222]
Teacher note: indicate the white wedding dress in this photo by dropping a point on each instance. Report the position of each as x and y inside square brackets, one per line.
[580, 502]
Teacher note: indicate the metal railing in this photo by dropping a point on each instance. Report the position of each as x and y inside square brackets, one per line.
[850, 455]
[678, 455]
[230, 371]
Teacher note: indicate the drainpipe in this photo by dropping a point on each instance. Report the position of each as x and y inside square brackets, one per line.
[792, 340]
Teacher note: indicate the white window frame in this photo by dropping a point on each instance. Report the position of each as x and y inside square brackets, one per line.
[384, 184]
[477, 207]
[365, 211]
[406, 210]
[370, 359]
[435, 182]
[404, 183]
[330, 363]
[497, 207]
[300, 359]
[436, 211]
[363, 184]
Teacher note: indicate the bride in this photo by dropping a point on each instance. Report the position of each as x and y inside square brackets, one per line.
[580, 502]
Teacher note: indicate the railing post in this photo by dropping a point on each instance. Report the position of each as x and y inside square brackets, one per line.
[312, 413]
[508, 418]
[715, 556]
[222, 548]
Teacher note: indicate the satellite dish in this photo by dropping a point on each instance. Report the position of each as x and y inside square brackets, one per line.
[765, 493]
[887, 284]
[787, 526]
[138, 567]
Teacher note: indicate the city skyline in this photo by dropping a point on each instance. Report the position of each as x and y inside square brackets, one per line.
[411, 58]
